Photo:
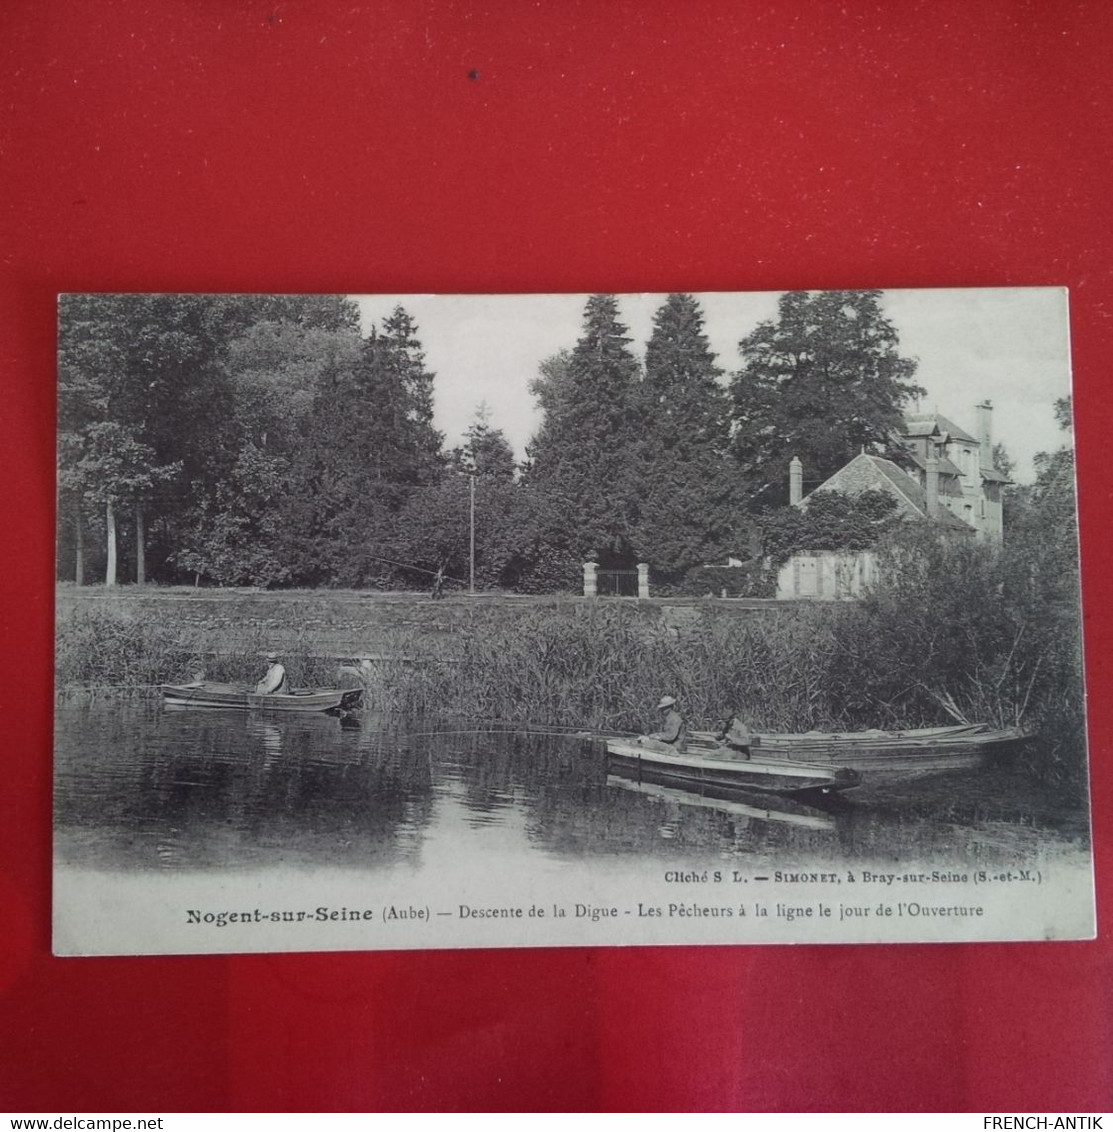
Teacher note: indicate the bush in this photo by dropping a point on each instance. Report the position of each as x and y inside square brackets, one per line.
[736, 581]
[966, 630]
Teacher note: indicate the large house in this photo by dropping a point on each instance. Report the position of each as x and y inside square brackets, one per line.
[969, 486]
[949, 480]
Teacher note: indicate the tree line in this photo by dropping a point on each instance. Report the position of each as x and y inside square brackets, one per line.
[269, 441]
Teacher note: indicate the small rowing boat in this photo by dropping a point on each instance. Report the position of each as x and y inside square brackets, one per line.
[925, 750]
[724, 769]
[205, 694]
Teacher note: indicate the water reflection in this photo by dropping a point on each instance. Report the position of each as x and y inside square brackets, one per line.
[742, 813]
[190, 789]
[144, 788]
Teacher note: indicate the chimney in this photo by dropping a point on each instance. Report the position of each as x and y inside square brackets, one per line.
[985, 434]
[795, 481]
[931, 483]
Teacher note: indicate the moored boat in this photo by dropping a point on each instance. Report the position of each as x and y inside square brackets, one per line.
[925, 750]
[720, 768]
[206, 694]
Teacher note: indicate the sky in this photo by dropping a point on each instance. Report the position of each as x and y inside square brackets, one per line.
[1006, 344]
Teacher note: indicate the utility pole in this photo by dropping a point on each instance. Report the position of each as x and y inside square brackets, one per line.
[471, 555]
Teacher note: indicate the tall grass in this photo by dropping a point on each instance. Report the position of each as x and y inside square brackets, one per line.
[928, 649]
[105, 648]
[606, 666]
[99, 647]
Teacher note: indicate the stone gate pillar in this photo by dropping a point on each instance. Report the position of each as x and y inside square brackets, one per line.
[591, 580]
[643, 579]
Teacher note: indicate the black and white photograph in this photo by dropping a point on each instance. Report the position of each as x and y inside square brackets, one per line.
[436, 621]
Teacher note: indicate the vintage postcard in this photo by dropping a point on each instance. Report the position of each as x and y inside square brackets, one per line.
[534, 620]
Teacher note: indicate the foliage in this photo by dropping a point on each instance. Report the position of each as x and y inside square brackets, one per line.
[978, 631]
[831, 520]
[541, 528]
[687, 498]
[822, 382]
[399, 353]
[159, 394]
[137, 376]
[584, 451]
[237, 537]
[1002, 461]
[747, 580]
[485, 452]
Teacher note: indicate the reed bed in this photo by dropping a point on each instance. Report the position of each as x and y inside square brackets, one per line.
[603, 666]
[606, 667]
[104, 651]
[101, 649]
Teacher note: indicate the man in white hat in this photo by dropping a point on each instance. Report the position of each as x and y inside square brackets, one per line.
[674, 731]
[275, 682]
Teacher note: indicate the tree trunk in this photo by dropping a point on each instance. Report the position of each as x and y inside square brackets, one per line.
[79, 552]
[110, 522]
[140, 550]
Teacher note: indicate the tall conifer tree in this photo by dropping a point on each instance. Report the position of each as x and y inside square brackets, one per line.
[686, 486]
[372, 443]
[585, 451]
[417, 436]
[485, 452]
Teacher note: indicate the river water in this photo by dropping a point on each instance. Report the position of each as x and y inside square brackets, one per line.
[142, 789]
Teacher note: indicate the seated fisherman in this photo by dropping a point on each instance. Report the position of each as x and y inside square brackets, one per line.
[674, 730]
[275, 682]
[736, 735]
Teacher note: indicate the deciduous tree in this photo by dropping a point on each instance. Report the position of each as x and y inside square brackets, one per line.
[823, 382]
[139, 382]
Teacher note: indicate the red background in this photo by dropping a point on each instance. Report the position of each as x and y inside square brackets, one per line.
[651, 146]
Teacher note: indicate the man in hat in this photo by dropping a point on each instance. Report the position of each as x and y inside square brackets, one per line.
[674, 731]
[275, 682]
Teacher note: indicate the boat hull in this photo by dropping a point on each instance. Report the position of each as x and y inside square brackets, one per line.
[718, 768]
[928, 750]
[209, 695]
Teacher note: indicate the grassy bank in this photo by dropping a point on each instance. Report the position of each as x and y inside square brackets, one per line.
[599, 664]
[604, 664]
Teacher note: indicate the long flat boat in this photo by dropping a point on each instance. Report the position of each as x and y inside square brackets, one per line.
[723, 769]
[205, 694]
[925, 750]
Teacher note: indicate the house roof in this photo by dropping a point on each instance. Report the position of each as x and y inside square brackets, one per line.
[895, 481]
[925, 424]
[994, 476]
[902, 481]
[919, 426]
[946, 467]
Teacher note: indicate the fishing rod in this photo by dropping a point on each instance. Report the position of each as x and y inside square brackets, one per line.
[417, 569]
[526, 729]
